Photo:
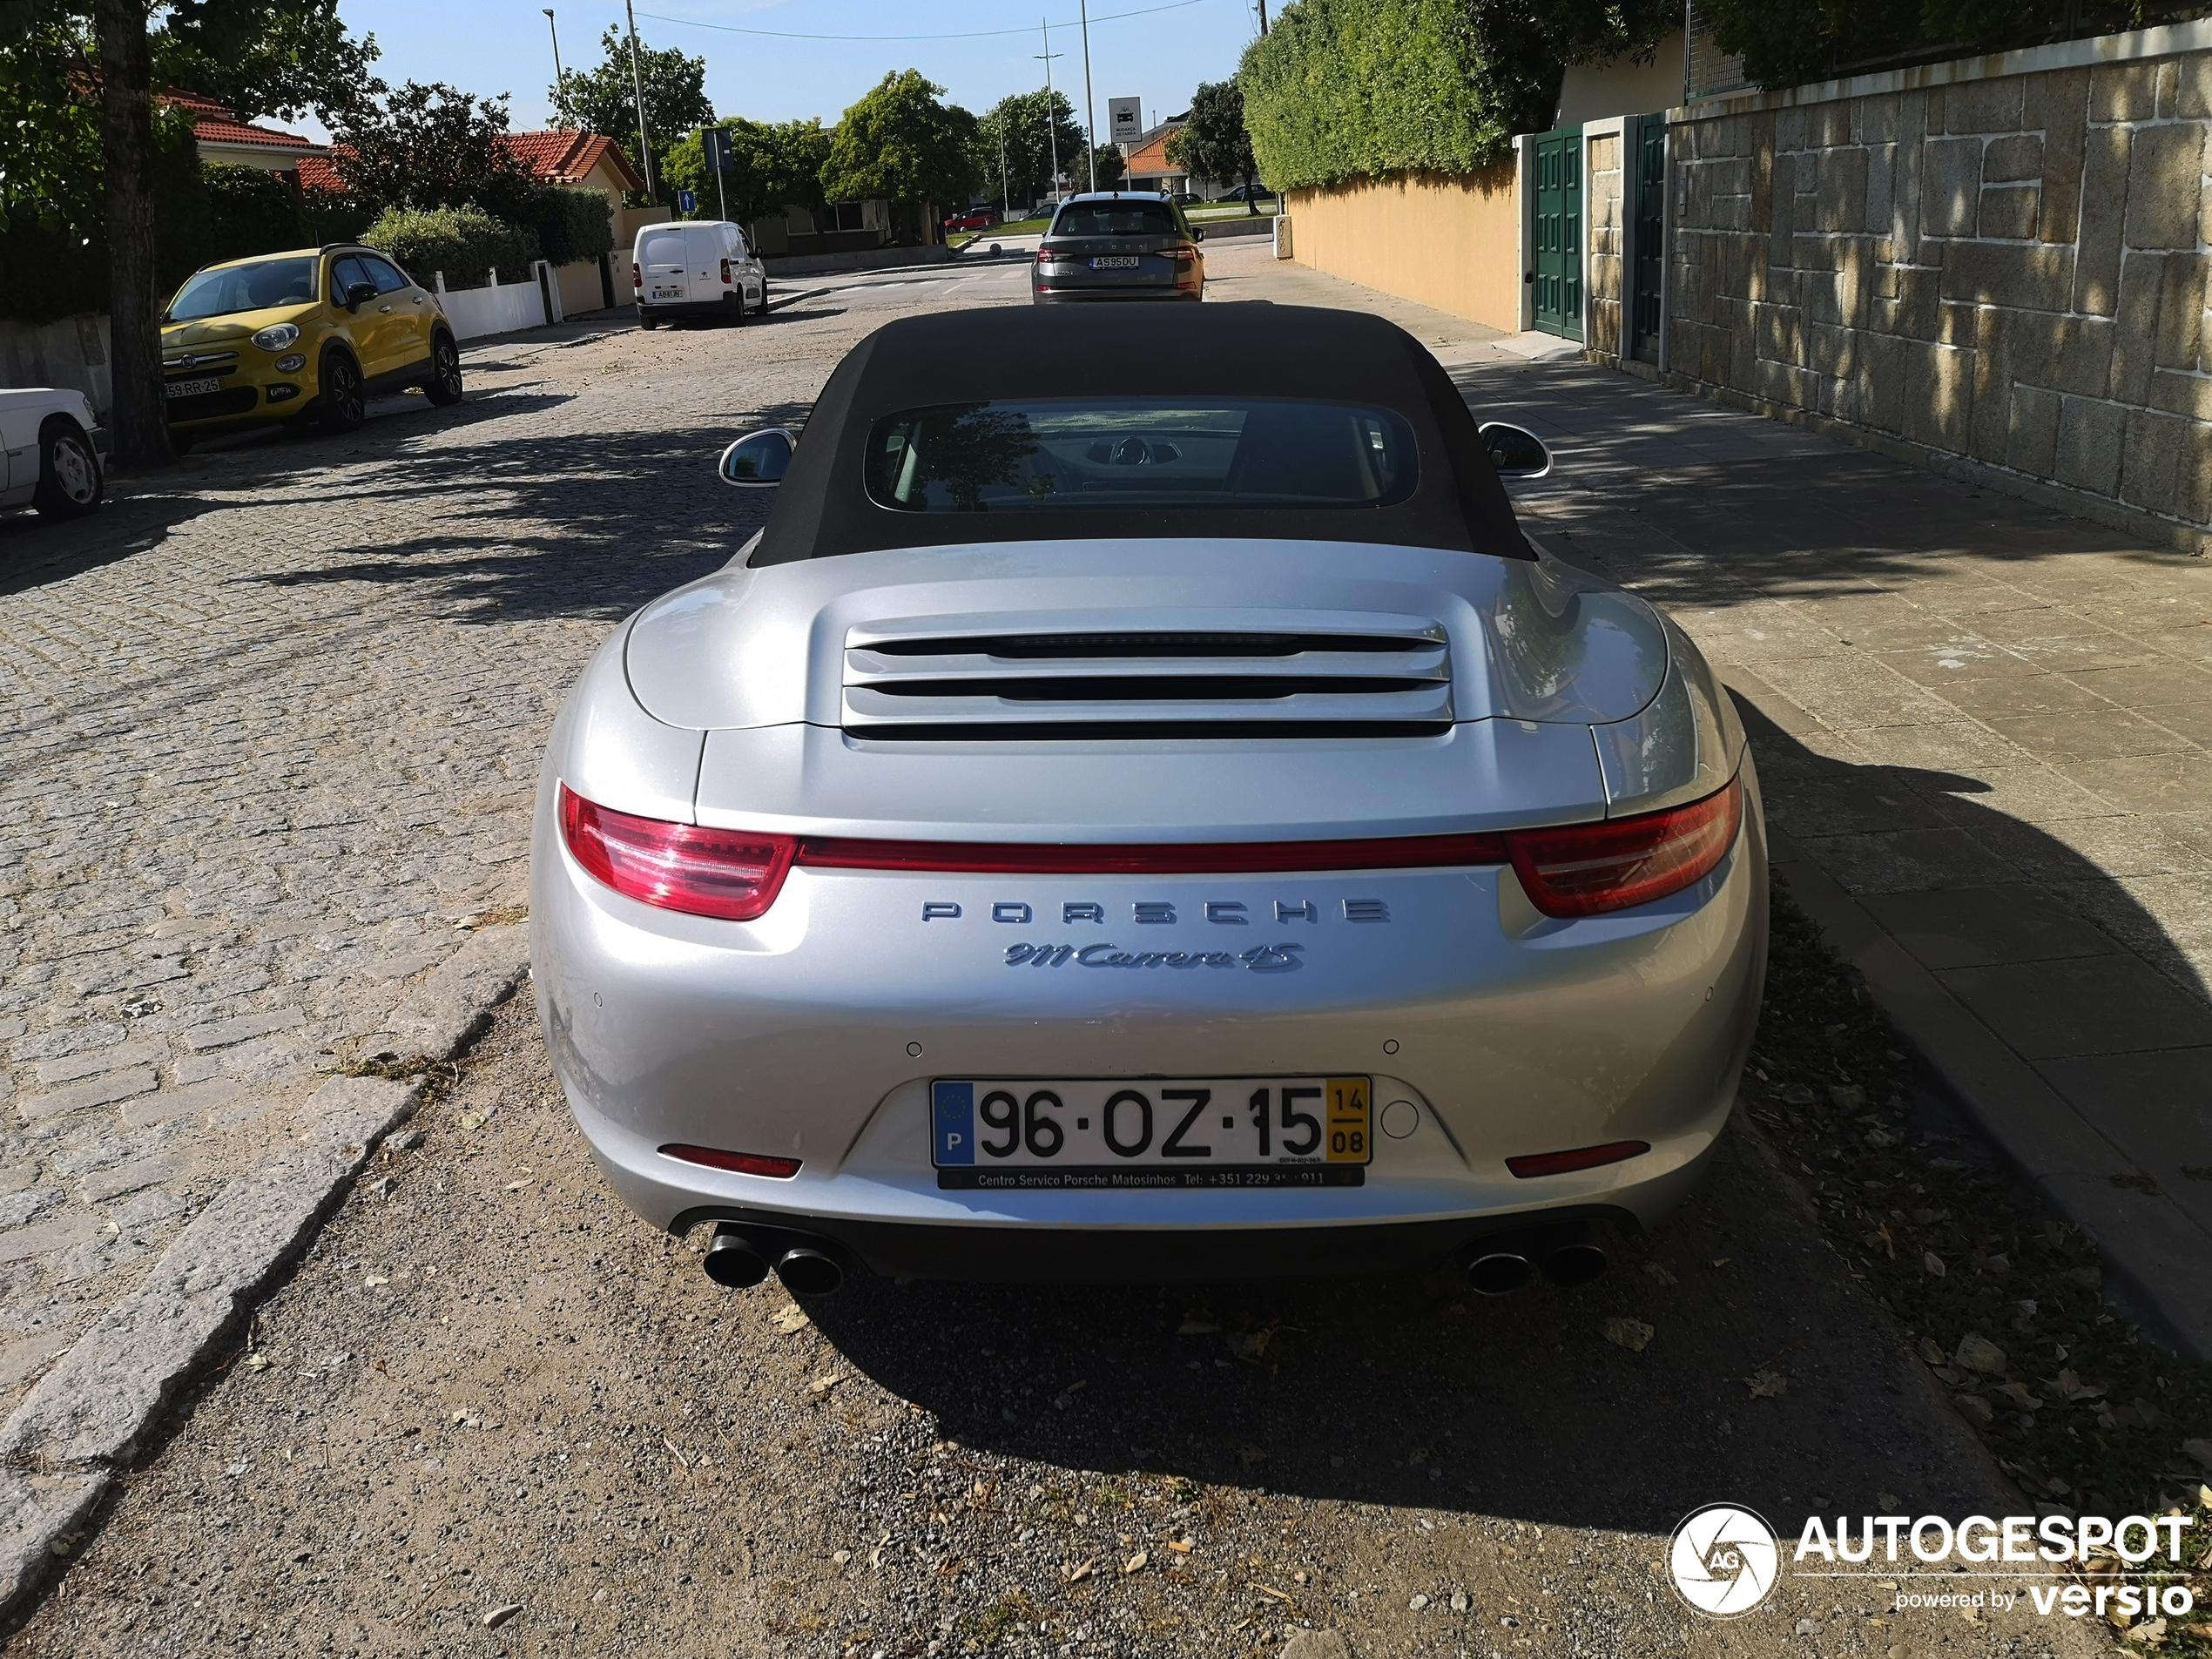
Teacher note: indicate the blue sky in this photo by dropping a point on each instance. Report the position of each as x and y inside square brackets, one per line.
[488, 46]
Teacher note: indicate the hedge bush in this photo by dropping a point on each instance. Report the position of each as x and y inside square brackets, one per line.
[572, 225]
[252, 211]
[466, 243]
[1356, 89]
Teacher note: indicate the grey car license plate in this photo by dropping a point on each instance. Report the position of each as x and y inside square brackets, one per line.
[1147, 1133]
[193, 389]
[1115, 262]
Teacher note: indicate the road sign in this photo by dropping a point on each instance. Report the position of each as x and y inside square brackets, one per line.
[1124, 119]
[687, 201]
[716, 140]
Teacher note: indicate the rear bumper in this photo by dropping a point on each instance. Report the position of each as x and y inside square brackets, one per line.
[680, 310]
[1051, 296]
[815, 1033]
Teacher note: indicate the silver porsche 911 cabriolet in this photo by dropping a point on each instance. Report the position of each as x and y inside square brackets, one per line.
[1140, 809]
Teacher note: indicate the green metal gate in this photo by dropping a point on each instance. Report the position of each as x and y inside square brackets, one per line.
[1648, 238]
[1558, 232]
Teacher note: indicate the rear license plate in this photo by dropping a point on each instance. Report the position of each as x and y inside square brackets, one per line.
[668, 293]
[193, 389]
[1115, 262]
[1151, 1133]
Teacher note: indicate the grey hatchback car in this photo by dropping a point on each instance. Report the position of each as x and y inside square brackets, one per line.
[1124, 246]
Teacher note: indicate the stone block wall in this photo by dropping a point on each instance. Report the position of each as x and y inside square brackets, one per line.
[1605, 249]
[2003, 260]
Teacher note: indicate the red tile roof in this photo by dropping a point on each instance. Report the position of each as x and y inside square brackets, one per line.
[213, 124]
[566, 158]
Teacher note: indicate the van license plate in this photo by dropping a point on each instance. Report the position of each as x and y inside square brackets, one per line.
[668, 293]
[193, 389]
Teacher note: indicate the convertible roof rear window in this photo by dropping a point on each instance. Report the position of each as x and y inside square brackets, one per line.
[1063, 455]
[1105, 422]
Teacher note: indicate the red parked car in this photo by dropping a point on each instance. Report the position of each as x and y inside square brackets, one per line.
[975, 218]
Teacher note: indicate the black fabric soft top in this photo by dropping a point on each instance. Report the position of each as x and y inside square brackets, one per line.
[1212, 350]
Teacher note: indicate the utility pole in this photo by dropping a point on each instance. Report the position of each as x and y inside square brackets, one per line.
[1006, 195]
[1051, 114]
[1263, 17]
[1090, 106]
[560, 92]
[638, 85]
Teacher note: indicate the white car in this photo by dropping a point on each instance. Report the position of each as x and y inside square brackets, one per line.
[695, 269]
[53, 444]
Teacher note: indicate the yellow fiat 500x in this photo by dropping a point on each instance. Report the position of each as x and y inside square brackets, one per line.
[310, 335]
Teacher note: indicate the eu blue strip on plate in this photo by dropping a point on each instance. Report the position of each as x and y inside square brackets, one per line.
[954, 1108]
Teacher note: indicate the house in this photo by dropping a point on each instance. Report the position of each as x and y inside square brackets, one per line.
[1147, 162]
[582, 160]
[220, 135]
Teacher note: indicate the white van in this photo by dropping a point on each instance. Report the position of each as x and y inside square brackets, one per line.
[695, 269]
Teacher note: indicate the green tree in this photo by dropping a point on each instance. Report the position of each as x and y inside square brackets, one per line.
[603, 99]
[770, 164]
[1021, 119]
[433, 146]
[264, 57]
[1214, 143]
[901, 145]
[1786, 42]
[1112, 169]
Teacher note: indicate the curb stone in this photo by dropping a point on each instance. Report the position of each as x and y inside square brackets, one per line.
[60, 1449]
[2158, 1261]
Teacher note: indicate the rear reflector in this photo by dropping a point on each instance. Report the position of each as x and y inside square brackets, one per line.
[732, 875]
[1587, 869]
[743, 1163]
[1203, 858]
[1582, 1158]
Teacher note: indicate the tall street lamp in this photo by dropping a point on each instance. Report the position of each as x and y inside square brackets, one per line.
[638, 85]
[1051, 114]
[1090, 107]
[560, 92]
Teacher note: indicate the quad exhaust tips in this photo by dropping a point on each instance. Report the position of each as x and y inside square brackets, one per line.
[740, 1261]
[1568, 1255]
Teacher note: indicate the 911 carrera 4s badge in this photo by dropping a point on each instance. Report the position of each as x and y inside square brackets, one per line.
[1260, 958]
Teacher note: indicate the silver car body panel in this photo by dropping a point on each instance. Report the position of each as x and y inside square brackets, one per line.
[814, 1032]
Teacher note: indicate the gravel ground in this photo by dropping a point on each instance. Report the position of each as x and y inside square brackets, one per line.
[489, 1388]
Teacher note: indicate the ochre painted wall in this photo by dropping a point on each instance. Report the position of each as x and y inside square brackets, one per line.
[1453, 243]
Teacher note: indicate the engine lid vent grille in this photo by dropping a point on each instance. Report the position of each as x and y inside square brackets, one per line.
[1350, 677]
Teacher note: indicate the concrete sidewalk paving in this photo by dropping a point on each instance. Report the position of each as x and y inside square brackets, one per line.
[1984, 731]
[1984, 734]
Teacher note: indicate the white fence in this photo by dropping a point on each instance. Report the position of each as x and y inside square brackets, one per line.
[502, 308]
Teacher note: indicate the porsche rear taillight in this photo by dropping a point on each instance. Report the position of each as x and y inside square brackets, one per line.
[1587, 869]
[732, 875]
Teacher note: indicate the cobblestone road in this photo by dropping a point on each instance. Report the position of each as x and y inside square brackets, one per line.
[269, 726]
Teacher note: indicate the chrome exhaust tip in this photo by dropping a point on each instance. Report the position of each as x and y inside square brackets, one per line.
[1499, 1272]
[1572, 1265]
[734, 1260]
[807, 1272]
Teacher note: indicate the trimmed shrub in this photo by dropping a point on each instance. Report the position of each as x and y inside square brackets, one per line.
[571, 224]
[1361, 89]
[466, 243]
[252, 211]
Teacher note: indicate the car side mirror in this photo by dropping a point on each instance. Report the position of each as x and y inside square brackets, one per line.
[1197, 232]
[360, 294]
[1514, 452]
[759, 460]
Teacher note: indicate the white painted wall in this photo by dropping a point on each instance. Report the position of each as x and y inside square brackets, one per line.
[500, 309]
[1593, 90]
